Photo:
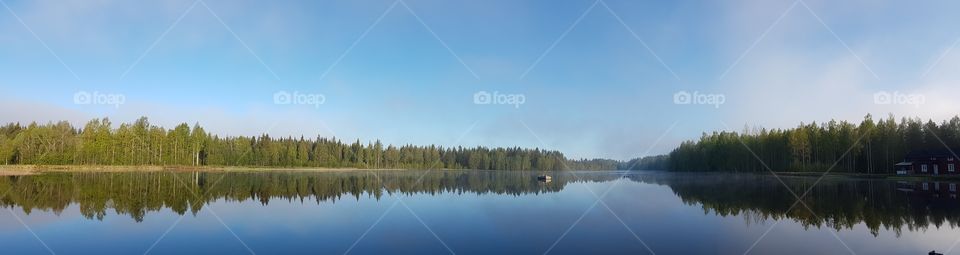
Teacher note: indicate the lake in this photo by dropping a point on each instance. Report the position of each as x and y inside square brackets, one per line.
[471, 212]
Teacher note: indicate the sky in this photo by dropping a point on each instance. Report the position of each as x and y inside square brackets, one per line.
[613, 79]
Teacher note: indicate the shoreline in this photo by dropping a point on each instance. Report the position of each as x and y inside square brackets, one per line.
[20, 170]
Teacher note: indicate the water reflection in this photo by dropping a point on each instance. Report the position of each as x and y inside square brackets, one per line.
[136, 193]
[838, 203]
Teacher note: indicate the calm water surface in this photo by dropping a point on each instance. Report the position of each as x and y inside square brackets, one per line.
[470, 212]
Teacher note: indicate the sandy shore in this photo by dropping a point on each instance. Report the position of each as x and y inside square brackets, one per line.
[13, 170]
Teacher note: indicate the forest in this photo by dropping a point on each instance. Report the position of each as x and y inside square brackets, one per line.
[141, 143]
[871, 147]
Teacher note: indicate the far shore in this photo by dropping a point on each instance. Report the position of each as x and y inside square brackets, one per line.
[19, 170]
[14, 170]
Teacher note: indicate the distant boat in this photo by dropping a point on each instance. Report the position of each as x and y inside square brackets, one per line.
[544, 178]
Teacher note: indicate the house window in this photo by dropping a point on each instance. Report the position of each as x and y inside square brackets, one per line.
[953, 187]
[923, 168]
[936, 186]
[926, 186]
[936, 168]
[951, 168]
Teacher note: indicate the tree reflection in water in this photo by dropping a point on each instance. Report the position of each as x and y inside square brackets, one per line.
[136, 193]
[838, 203]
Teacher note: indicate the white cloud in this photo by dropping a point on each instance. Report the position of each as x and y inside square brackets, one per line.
[801, 72]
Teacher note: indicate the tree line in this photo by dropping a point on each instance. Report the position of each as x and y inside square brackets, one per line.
[142, 143]
[868, 147]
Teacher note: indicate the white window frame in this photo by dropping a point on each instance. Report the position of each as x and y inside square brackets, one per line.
[926, 186]
[951, 167]
[923, 168]
[953, 187]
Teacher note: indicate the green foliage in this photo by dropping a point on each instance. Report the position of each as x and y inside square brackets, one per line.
[870, 147]
[659, 162]
[140, 143]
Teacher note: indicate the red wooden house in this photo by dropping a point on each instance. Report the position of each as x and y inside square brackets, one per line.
[929, 162]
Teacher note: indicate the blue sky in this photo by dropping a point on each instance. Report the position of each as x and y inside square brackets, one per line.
[598, 78]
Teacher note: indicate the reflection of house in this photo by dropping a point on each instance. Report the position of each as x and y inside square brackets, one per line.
[928, 162]
[933, 189]
[905, 186]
